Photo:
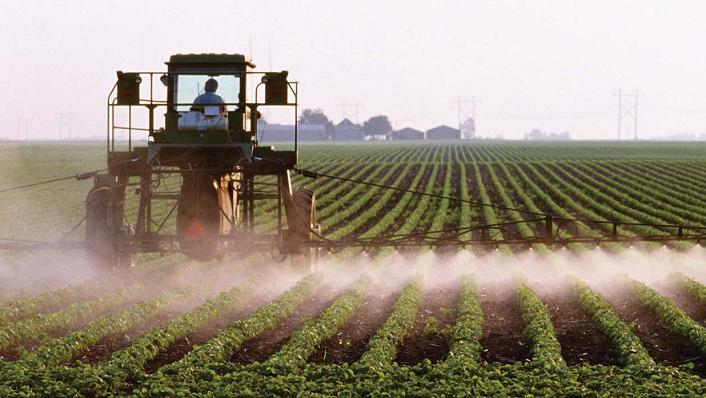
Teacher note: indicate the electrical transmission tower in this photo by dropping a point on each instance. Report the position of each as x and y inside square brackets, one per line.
[357, 106]
[464, 113]
[627, 109]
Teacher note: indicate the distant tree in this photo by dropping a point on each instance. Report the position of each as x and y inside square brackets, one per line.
[316, 116]
[313, 116]
[536, 134]
[377, 125]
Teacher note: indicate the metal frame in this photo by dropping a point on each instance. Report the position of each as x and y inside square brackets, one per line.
[147, 239]
[151, 104]
[479, 235]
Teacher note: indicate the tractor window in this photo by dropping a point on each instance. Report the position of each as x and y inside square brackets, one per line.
[188, 87]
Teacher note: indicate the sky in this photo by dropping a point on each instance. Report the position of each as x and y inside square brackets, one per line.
[552, 65]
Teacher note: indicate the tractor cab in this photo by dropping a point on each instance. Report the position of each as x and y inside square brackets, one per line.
[207, 145]
[228, 120]
[227, 126]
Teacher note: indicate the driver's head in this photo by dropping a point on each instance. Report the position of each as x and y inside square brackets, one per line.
[211, 85]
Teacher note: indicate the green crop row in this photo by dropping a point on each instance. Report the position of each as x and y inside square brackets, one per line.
[694, 288]
[219, 349]
[667, 312]
[609, 207]
[35, 328]
[358, 194]
[129, 362]
[387, 220]
[63, 349]
[465, 345]
[363, 215]
[650, 196]
[643, 206]
[625, 341]
[382, 347]
[441, 213]
[415, 216]
[667, 177]
[546, 350]
[304, 341]
[36, 369]
[55, 298]
[33, 368]
[326, 190]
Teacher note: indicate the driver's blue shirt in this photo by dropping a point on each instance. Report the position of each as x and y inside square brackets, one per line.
[208, 98]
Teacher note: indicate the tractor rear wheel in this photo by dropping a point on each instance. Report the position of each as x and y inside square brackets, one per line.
[101, 237]
[301, 230]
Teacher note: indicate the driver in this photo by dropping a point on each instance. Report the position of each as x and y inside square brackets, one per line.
[209, 97]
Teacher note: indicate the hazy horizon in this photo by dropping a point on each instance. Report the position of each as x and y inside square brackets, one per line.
[551, 65]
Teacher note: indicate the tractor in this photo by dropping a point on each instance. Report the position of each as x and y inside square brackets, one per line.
[212, 152]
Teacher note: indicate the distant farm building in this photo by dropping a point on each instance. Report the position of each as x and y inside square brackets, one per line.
[273, 132]
[347, 131]
[443, 132]
[407, 133]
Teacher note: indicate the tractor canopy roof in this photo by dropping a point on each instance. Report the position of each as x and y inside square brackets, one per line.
[209, 59]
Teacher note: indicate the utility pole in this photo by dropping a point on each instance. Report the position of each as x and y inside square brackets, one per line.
[635, 108]
[627, 110]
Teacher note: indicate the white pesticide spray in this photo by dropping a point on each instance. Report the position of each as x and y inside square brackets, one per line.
[547, 274]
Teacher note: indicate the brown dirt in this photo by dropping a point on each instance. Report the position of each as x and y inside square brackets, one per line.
[503, 339]
[685, 301]
[430, 335]
[263, 346]
[582, 341]
[30, 345]
[350, 342]
[663, 345]
[104, 348]
[183, 345]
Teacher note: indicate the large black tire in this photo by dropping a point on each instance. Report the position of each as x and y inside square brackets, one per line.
[206, 205]
[301, 230]
[198, 216]
[101, 238]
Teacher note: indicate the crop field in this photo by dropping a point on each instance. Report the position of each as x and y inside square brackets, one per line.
[578, 319]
